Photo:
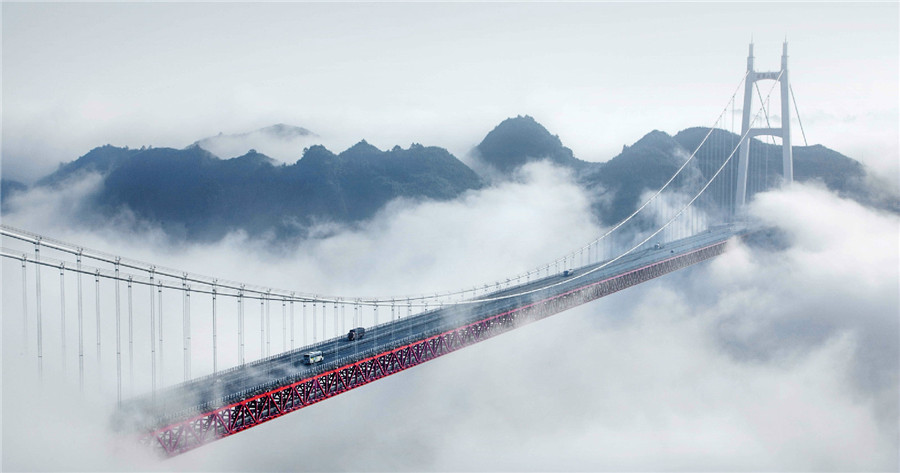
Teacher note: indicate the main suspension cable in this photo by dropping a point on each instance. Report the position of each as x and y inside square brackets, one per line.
[794, 99]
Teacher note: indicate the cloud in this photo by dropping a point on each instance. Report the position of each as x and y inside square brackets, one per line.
[781, 359]
[395, 253]
[281, 142]
[652, 378]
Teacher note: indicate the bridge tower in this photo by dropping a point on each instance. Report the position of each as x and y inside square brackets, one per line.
[784, 132]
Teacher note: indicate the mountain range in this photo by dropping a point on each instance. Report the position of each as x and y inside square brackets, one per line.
[193, 194]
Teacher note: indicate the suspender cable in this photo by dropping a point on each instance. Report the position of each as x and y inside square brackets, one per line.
[37, 293]
[185, 327]
[62, 313]
[152, 337]
[409, 312]
[162, 364]
[130, 337]
[215, 348]
[324, 320]
[118, 340]
[25, 303]
[187, 358]
[241, 325]
[80, 325]
[97, 307]
[262, 328]
[268, 327]
[766, 165]
[292, 321]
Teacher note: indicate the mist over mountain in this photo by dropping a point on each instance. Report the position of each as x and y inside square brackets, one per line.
[647, 164]
[193, 194]
[618, 183]
[839, 173]
[279, 141]
[100, 160]
[8, 188]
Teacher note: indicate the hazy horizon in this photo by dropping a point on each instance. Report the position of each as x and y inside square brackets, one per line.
[600, 75]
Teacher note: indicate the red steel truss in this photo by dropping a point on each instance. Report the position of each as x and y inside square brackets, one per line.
[228, 420]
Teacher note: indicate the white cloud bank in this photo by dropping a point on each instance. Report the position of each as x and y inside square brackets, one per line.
[758, 360]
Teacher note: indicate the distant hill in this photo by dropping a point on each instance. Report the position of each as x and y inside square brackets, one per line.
[617, 184]
[99, 160]
[193, 194]
[817, 163]
[519, 140]
[645, 165]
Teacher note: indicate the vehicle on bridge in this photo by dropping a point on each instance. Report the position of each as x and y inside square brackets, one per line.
[312, 357]
[356, 333]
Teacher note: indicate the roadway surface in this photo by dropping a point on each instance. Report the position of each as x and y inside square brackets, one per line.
[237, 383]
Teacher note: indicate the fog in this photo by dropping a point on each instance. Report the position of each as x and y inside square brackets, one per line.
[286, 147]
[760, 359]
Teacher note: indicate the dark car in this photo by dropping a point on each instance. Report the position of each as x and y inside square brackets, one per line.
[356, 333]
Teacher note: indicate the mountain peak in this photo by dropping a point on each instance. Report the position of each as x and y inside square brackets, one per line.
[655, 136]
[360, 150]
[101, 159]
[285, 131]
[655, 140]
[516, 141]
[255, 158]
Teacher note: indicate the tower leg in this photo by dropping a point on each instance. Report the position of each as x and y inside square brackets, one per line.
[787, 156]
[744, 155]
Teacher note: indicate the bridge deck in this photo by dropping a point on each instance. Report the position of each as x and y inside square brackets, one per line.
[193, 413]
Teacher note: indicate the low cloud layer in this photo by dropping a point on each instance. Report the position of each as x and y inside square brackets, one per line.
[762, 359]
[758, 360]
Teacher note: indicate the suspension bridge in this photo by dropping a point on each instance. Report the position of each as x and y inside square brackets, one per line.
[230, 383]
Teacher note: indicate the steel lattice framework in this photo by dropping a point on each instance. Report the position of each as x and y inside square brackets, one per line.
[260, 407]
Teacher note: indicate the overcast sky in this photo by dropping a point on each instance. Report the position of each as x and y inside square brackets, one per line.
[600, 75]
